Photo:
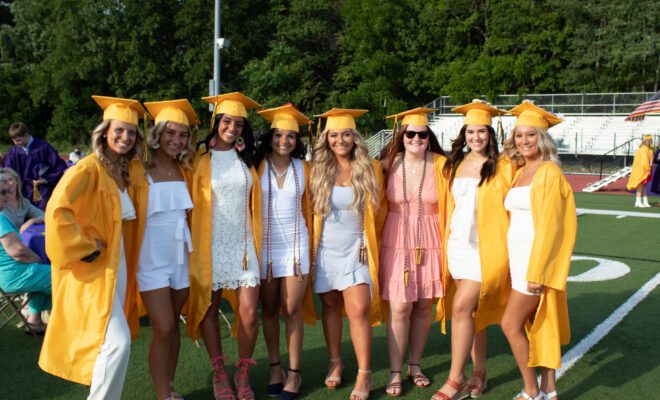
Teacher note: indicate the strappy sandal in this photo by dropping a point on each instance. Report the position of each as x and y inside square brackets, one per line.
[477, 390]
[394, 389]
[241, 376]
[461, 388]
[174, 395]
[549, 396]
[418, 379]
[287, 395]
[222, 389]
[274, 389]
[525, 396]
[360, 395]
[331, 381]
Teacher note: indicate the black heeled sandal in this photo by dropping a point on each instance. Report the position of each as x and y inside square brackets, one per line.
[274, 389]
[285, 394]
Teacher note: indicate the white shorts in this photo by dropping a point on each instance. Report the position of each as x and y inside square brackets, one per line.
[164, 254]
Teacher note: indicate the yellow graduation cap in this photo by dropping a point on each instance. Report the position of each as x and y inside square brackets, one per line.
[416, 117]
[647, 137]
[180, 111]
[341, 118]
[285, 117]
[478, 112]
[126, 110]
[235, 104]
[532, 115]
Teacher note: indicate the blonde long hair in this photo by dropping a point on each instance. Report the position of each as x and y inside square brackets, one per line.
[153, 140]
[545, 144]
[100, 148]
[324, 173]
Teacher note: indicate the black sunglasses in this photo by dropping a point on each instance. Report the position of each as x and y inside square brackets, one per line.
[4, 192]
[422, 135]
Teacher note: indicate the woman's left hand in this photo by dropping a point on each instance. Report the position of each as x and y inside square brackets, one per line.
[535, 288]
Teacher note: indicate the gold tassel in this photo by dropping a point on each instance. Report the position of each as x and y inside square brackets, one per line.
[363, 255]
[269, 271]
[310, 131]
[418, 254]
[215, 108]
[405, 277]
[245, 261]
[500, 129]
[298, 270]
[394, 130]
[36, 194]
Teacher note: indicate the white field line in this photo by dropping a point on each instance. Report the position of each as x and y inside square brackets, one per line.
[581, 211]
[573, 355]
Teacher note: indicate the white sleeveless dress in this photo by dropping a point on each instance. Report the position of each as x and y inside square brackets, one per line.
[463, 244]
[228, 227]
[520, 237]
[283, 223]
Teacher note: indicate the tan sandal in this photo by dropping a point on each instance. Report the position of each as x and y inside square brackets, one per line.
[418, 379]
[477, 390]
[361, 395]
[461, 388]
[394, 389]
[332, 381]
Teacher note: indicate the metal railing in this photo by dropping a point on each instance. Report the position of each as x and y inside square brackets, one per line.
[563, 103]
[612, 153]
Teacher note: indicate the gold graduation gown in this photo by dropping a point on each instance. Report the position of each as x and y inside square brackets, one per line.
[85, 206]
[641, 168]
[373, 226]
[555, 227]
[134, 229]
[201, 270]
[492, 227]
[308, 308]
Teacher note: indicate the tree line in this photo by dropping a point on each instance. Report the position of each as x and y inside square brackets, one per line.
[385, 56]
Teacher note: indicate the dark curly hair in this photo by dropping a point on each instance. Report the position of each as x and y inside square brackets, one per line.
[264, 146]
[247, 155]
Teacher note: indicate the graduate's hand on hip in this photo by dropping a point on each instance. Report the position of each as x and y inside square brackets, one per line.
[535, 288]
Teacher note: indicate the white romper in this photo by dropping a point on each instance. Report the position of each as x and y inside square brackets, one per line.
[166, 241]
[520, 237]
[282, 223]
[463, 244]
[228, 227]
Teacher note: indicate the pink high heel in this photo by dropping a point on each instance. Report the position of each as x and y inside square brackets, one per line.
[222, 389]
[242, 367]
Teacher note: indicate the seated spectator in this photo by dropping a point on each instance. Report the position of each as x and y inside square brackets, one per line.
[21, 270]
[75, 155]
[17, 208]
[36, 162]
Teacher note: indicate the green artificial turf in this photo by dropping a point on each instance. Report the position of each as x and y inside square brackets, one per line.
[623, 365]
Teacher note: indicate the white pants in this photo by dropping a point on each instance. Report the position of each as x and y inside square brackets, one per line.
[112, 361]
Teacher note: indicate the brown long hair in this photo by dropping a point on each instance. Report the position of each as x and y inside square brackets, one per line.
[457, 155]
[324, 172]
[392, 150]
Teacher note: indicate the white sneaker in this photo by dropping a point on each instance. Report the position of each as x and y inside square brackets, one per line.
[645, 202]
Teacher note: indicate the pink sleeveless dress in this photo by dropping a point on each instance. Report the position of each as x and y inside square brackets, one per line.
[425, 280]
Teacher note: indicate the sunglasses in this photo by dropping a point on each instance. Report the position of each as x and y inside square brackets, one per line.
[4, 192]
[422, 135]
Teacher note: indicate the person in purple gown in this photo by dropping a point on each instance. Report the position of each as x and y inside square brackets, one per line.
[36, 162]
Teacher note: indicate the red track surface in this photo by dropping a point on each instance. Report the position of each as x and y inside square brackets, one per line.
[579, 182]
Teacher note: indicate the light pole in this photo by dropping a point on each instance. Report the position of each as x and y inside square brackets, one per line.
[218, 44]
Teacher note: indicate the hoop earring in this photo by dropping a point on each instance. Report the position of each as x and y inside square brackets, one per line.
[155, 146]
[516, 153]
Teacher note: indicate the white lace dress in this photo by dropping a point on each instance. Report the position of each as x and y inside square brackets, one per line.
[229, 207]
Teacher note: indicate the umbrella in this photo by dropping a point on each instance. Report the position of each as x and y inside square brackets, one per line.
[648, 107]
